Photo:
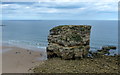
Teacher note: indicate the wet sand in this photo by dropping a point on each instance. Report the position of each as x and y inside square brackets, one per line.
[19, 60]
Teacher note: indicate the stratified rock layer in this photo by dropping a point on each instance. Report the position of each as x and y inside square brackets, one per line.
[69, 41]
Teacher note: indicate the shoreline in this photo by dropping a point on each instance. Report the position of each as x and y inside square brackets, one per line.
[24, 46]
[20, 60]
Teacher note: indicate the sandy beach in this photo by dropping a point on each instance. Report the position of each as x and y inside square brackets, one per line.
[19, 60]
[0, 63]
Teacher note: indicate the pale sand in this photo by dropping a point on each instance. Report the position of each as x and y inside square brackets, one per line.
[0, 61]
[19, 60]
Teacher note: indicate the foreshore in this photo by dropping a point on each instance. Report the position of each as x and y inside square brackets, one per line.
[19, 60]
[105, 64]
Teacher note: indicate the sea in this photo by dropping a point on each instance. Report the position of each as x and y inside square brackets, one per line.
[32, 34]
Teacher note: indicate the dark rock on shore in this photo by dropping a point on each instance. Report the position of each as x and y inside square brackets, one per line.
[69, 41]
[109, 47]
[103, 51]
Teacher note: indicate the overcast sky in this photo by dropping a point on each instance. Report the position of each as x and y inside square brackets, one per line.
[56, 10]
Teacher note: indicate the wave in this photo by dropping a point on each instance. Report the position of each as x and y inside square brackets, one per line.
[25, 44]
[41, 45]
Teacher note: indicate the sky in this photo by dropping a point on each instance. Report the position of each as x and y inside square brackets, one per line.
[60, 10]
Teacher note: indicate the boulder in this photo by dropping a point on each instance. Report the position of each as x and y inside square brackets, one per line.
[69, 41]
[109, 47]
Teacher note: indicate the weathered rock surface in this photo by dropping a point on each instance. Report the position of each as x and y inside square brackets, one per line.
[104, 50]
[69, 41]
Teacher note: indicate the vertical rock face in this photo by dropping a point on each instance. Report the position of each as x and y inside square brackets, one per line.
[69, 41]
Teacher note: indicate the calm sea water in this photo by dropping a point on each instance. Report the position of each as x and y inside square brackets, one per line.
[33, 34]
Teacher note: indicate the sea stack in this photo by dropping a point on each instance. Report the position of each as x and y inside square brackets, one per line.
[69, 41]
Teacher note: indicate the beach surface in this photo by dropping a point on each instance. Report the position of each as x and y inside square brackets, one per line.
[105, 64]
[19, 60]
[0, 63]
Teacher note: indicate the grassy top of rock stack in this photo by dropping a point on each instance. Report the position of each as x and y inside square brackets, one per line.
[69, 34]
[69, 41]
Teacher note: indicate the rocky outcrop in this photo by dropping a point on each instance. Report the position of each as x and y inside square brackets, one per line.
[103, 51]
[69, 41]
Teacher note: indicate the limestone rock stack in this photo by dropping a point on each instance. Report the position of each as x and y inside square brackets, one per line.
[69, 41]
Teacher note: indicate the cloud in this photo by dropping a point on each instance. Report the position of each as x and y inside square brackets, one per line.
[106, 6]
[60, 0]
[57, 10]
